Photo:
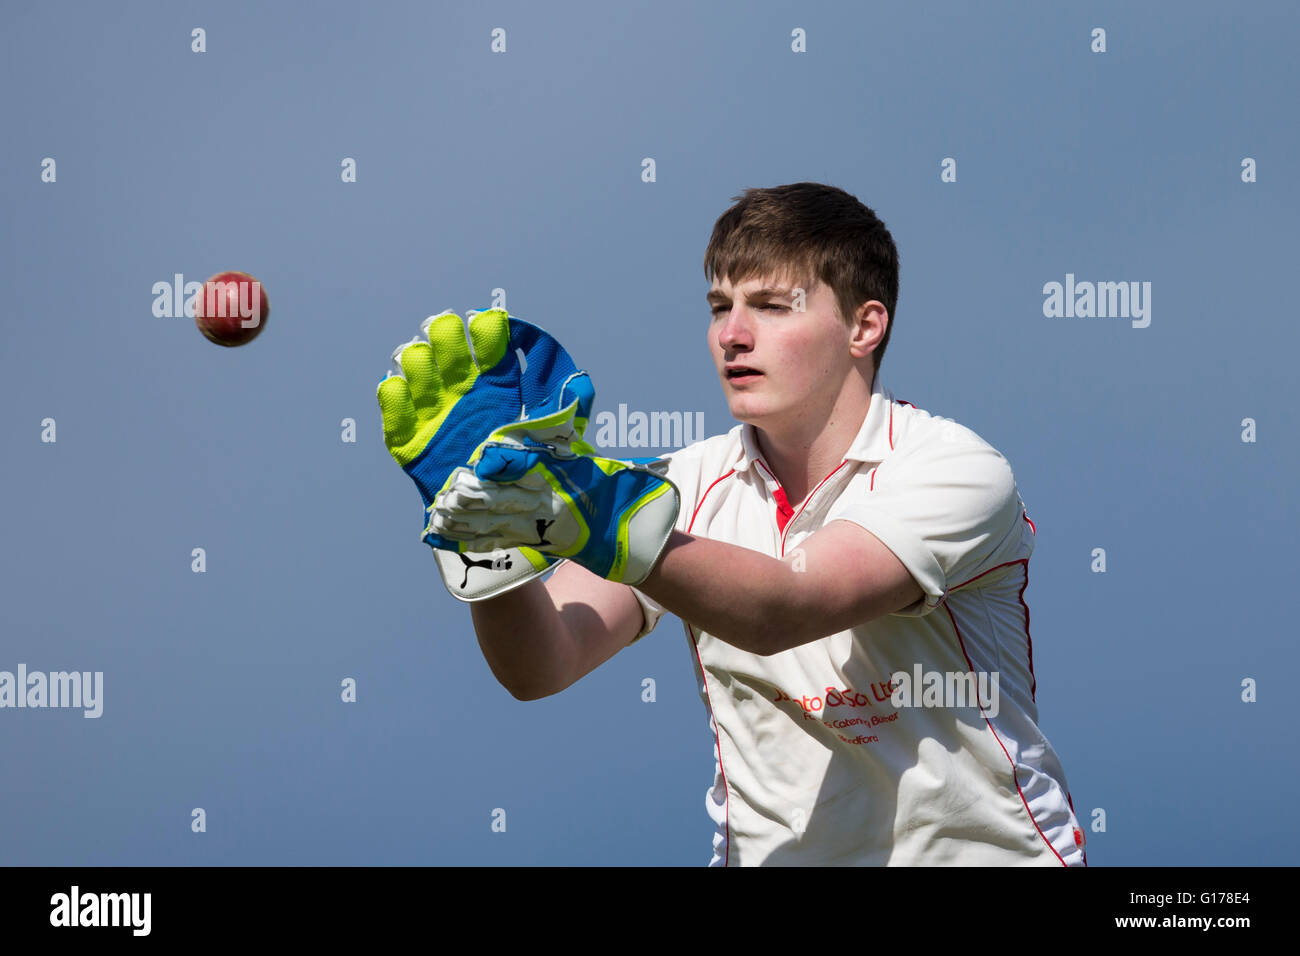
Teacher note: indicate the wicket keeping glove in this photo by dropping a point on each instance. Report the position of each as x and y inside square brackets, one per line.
[537, 484]
[445, 400]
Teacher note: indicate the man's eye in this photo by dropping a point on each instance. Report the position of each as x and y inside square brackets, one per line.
[764, 307]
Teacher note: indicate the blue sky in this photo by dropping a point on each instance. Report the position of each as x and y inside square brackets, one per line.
[522, 171]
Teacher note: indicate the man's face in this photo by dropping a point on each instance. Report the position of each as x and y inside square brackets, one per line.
[778, 366]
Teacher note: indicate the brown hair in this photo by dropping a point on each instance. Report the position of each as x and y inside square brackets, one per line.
[809, 231]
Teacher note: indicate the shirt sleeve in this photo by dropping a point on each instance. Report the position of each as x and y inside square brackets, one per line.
[672, 468]
[948, 509]
[683, 468]
[651, 612]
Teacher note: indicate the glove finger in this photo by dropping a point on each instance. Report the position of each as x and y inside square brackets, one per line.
[505, 530]
[446, 334]
[497, 498]
[552, 527]
[398, 412]
[465, 491]
[453, 526]
[420, 369]
[489, 333]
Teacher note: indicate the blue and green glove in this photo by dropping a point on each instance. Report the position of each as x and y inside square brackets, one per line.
[537, 484]
[449, 395]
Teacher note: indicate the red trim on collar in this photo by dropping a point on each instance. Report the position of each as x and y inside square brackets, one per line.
[783, 510]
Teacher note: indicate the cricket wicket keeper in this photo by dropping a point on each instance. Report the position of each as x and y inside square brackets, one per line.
[850, 569]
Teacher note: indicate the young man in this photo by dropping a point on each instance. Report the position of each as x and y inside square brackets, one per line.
[850, 571]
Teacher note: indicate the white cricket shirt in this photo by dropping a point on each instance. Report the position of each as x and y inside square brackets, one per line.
[825, 754]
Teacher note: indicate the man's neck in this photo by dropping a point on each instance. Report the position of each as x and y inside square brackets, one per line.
[808, 450]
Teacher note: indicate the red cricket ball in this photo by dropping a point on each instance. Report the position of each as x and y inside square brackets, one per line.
[231, 308]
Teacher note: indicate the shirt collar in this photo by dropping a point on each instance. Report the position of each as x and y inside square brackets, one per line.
[873, 442]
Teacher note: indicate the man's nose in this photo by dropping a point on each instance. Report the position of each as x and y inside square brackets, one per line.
[736, 333]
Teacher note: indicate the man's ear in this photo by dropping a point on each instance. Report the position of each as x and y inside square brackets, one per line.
[868, 328]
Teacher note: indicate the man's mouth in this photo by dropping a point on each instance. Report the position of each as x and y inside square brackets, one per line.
[741, 373]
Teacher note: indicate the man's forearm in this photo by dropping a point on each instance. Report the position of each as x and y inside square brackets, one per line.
[522, 638]
[748, 599]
